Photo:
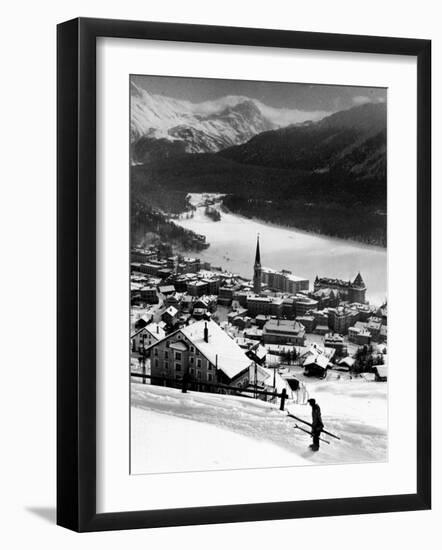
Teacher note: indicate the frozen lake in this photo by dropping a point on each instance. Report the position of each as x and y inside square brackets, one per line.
[233, 240]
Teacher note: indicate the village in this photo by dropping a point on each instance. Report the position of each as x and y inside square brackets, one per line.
[198, 327]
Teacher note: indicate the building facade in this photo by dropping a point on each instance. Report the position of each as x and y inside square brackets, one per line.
[348, 290]
[147, 336]
[283, 331]
[142, 255]
[203, 353]
[340, 319]
[336, 342]
[283, 281]
[303, 304]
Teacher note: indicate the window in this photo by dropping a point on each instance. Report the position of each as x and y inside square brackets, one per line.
[198, 374]
[156, 352]
[156, 363]
[192, 360]
[178, 367]
[178, 355]
[192, 371]
[209, 366]
[210, 378]
[198, 363]
[166, 355]
[166, 365]
[192, 349]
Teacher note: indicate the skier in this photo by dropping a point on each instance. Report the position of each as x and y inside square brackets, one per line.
[317, 425]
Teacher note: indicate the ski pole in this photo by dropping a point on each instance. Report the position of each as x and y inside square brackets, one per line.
[308, 424]
[307, 432]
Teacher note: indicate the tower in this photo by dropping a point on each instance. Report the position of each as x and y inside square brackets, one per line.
[257, 270]
[358, 289]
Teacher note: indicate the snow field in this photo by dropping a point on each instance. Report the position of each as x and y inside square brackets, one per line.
[172, 431]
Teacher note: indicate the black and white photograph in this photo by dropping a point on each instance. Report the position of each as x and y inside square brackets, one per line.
[258, 274]
[227, 210]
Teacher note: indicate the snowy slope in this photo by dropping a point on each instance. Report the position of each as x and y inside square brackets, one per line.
[357, 411]
[172, 431]
[208, 126]
[189, 445]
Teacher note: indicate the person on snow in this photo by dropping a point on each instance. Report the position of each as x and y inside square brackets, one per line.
[317, 425]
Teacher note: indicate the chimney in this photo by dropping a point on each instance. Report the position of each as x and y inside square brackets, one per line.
[206, 333]
[158, 329]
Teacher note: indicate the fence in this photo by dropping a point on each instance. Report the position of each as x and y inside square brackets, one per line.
[193, 385]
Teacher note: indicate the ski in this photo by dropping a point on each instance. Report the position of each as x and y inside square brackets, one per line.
[307, 432]
[308, 424]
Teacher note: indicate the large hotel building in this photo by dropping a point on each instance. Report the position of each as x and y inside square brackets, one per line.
[280, 281]
[283, 281]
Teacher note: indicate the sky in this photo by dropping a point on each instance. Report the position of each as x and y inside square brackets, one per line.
[306, 97]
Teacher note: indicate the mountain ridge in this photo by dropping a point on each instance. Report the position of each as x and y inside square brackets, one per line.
[326, 176]
[316, 146]
[209, 126]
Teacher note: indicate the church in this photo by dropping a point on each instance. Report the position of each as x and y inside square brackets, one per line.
[279, 281]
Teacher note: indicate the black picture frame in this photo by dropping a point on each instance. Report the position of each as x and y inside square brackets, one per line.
[76, 273]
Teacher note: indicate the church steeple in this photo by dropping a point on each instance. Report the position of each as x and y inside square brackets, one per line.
[258, 254]
[257, 271]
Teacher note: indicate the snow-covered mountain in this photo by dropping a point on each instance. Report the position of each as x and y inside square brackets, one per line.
[209, 126]
[353, 140]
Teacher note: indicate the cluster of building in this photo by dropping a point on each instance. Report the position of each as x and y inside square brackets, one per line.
[185, 333]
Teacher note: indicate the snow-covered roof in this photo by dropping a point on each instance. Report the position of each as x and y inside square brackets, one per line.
[167, 288]
[279, 349]
[267, 376]
[317, 349]
[208, 274]
[220, 349]
[349, 361]
[317, 355]
[135, 285]
[146, 317]
[202, 302]
[319, 360]
[196, 283]
[258, 351]
[283, 325]
[286, 274]
[156, 329]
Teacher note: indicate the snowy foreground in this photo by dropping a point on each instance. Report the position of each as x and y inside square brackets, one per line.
[176, 432]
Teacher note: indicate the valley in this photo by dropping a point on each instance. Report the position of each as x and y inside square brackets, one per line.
[327, 177]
